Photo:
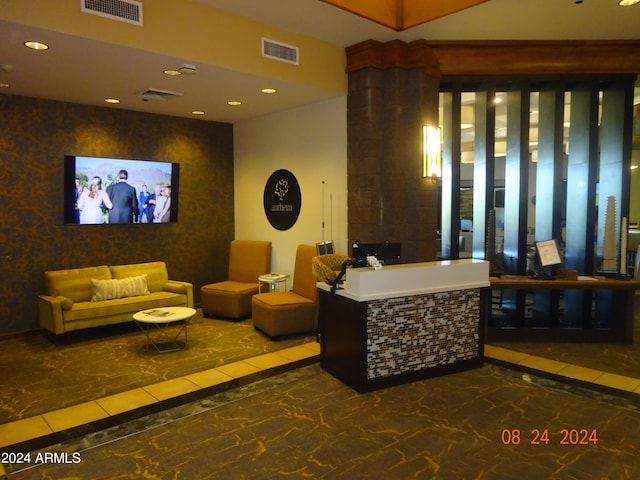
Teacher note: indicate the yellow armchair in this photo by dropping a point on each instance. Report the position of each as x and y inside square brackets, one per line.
[286, 313]
[248, 259]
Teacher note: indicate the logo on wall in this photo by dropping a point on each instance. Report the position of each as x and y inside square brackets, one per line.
[282, 200]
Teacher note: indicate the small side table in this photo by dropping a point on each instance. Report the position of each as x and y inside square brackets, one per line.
[273, 279]
[159, 320]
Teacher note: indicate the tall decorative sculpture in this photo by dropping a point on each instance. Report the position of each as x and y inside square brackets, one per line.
[624, 233]
[609, 263]
[496, 264]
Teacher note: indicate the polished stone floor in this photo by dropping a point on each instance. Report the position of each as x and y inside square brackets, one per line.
[505, 420]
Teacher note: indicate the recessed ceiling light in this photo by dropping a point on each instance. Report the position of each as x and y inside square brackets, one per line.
[268, 90]
[171, 72]
[627, 3]
[197, 112]
[234, 103]
[36, 45]
[112, 100]
[187, 69]
[4, 85]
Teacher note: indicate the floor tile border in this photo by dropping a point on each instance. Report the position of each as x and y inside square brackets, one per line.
[564, 372]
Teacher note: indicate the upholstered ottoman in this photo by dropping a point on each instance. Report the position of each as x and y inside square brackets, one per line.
[283, 313]
[227, 299]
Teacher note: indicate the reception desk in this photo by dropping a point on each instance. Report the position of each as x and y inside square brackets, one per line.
[404, 322]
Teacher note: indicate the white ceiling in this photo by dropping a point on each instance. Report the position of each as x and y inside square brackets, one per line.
[89, 71]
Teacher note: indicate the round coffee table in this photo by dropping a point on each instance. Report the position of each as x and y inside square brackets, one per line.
[158, 320]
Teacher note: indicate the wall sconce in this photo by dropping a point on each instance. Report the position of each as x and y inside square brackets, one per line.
[431, 153]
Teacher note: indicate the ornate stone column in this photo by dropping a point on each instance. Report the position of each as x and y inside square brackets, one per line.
[393, 91]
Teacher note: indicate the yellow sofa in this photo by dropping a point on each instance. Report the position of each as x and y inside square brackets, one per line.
[73, 298]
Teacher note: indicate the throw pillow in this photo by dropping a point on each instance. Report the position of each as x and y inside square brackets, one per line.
[119, 288]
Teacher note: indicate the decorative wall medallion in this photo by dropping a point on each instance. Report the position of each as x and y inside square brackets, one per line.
[282, 199]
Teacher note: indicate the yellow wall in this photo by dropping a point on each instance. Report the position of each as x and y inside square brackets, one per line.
[310, 142]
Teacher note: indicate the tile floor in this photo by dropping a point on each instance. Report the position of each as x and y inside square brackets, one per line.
[38, 426]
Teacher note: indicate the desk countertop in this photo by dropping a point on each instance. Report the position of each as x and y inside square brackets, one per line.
[582, 282]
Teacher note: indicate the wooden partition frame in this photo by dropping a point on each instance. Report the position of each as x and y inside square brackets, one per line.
[570, 186]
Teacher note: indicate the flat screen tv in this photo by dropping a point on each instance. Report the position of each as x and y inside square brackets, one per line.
[119, 191]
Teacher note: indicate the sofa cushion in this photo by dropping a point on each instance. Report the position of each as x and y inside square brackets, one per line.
[74, 283]
[282, 299]
[228, 286]
[157, 274]
[122, 306]
[119, 288]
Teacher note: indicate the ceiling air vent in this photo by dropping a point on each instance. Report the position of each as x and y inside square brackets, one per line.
[157, 94]
[128, 11]
[279, 51]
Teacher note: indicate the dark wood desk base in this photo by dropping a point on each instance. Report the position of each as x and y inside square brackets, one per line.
[376, 344]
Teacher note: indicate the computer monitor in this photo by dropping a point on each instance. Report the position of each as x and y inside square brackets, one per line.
[324, 248]
[387, 253]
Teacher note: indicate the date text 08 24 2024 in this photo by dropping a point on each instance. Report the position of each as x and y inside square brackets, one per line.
[566, 436]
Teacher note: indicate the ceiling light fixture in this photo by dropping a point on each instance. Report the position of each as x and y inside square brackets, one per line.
[234, 103]
[627, 3]
[184, 69]
[187, 69]
[197, 112]
[4, 85]
[268, 90]
[112, 100]
[36, 45]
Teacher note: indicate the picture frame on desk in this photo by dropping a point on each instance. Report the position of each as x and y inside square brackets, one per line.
[548, 259]
[548, 253]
